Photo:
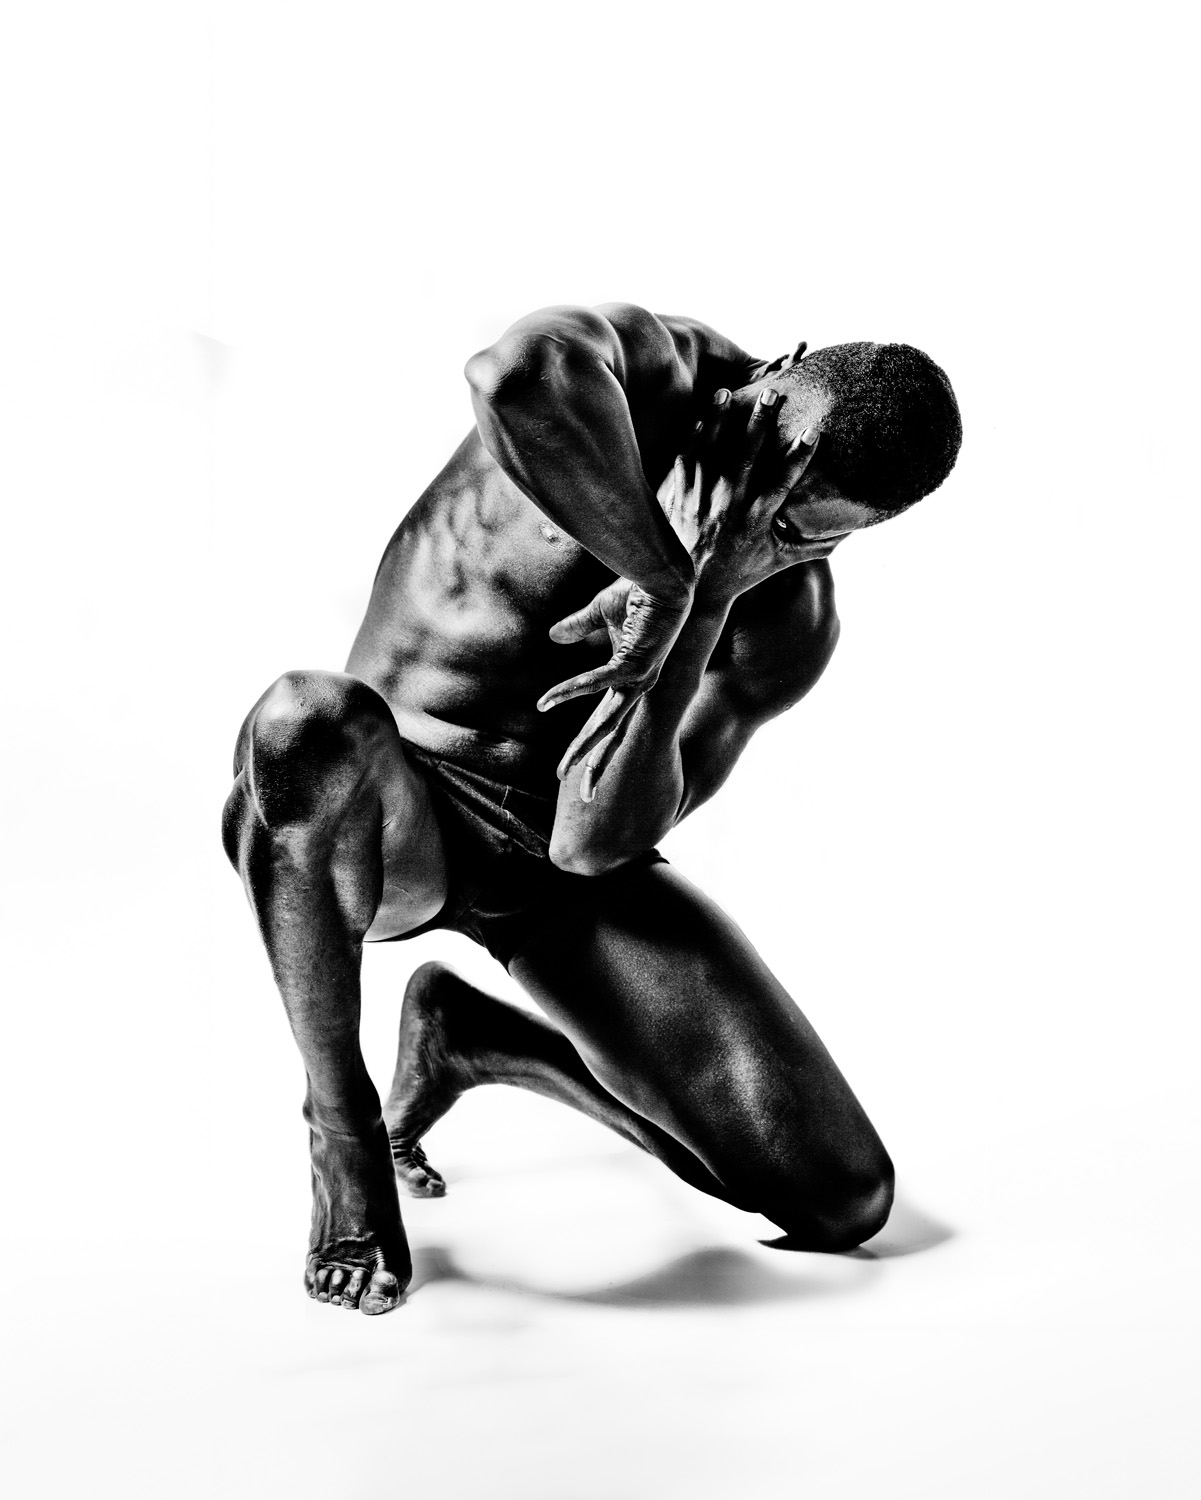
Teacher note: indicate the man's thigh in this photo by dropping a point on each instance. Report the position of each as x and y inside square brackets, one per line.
[411, 846]
[677, 1015]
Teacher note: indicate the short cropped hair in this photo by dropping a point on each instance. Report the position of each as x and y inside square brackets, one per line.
[892, 432]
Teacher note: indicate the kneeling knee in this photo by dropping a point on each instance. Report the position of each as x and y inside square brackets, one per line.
[838, 1213]
[861, 1211]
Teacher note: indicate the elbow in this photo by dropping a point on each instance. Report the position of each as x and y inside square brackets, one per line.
[507, 370]
[484, 373]
[584, 859]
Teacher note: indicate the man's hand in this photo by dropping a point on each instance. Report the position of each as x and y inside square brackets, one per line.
[726, 491]
[722, 497]
[641, 632]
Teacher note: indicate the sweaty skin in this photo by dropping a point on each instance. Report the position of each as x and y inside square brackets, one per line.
[640, 511]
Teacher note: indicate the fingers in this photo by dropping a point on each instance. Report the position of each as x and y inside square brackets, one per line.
[800, 454]
[594, 766]
[641, 643]
[701, 456]
[595, 681]
[710, 429]
[679, 477]
[606, 719]
[761, 421]
[707, 436]
[702, 432]
[579, 626]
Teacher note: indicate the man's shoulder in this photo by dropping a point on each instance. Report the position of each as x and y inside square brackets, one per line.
[795, 604]
[663, 342]
[779, 637]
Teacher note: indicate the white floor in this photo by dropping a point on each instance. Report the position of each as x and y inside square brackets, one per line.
[583, 1327]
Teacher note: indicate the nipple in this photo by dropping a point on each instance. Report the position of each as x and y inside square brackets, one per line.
[548, 531]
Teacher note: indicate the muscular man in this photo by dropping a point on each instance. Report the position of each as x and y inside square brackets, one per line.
[693, 494]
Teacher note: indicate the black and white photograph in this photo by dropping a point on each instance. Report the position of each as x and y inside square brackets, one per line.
[601, 757]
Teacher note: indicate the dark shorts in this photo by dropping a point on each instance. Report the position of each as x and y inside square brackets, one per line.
[500, 884]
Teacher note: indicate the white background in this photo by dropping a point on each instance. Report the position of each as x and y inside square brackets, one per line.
[249, 249]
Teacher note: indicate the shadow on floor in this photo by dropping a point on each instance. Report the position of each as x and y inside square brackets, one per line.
[909, 1231]
[719, 1276]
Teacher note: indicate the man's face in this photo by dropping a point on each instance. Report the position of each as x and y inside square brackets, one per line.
[816, 515]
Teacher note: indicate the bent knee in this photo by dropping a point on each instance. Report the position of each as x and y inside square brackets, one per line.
[305, 711]
[861, 1212]
[309, 733]
[836, 1212]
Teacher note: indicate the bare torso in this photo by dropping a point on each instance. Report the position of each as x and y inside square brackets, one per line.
[456, 639]
[456, 632]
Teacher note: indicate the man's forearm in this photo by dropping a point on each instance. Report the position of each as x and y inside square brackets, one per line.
[556, 420]
[639, 797]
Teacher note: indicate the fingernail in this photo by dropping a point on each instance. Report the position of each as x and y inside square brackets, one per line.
[809, 436]
[769, 398]
[721, 397]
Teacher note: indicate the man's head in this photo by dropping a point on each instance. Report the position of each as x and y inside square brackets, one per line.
[889, 431]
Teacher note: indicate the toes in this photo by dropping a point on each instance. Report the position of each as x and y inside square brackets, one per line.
[342, 1286]
[420, 1179]
[353, 1289]
[419, 1184]
[350, 1287]
[381, 1296]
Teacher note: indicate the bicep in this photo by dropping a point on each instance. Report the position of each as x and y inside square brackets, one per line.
[719, 726]
[780, 659]
[715, 732]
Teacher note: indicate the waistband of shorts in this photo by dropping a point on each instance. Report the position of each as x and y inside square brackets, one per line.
[527, 817]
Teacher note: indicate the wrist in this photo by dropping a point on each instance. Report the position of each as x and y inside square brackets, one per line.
[685, 666]
[714, 593]
[671, 601]
[674, 591]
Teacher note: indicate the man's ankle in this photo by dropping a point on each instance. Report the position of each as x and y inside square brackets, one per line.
[355, 1113]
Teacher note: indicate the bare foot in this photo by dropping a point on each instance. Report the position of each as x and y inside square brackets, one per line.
[358, 1253]
[430, 1074]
